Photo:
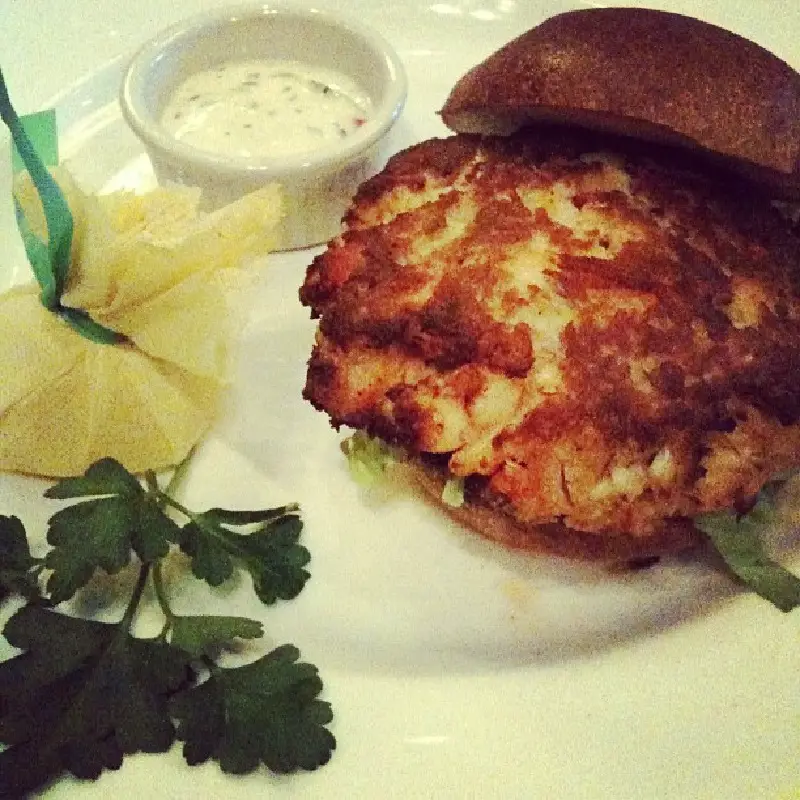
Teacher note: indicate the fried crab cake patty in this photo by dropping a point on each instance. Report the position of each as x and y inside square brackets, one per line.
[594, 341]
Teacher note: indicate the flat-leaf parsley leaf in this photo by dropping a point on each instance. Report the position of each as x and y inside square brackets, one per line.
[201, 635]
[266, 711]
[269, 552]
[101, 532]
[18, 569]
[81, 696]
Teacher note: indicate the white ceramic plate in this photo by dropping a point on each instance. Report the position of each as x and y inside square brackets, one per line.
[456, 670]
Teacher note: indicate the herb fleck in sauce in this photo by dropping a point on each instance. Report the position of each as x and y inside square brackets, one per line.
[265, 108]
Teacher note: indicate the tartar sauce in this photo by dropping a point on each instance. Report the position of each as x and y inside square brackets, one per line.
[264, 108]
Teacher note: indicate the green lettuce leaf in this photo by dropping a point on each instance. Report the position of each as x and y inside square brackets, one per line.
[738, 539]
[453, 492]
[369, 458]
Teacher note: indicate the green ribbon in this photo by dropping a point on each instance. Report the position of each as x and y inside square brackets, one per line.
[50, 262]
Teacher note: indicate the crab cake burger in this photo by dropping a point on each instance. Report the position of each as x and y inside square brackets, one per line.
[591, 323]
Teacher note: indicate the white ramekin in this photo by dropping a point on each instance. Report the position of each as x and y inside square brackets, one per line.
[318, 185]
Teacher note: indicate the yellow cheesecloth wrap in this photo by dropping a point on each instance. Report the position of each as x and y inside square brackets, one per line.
[150, 267]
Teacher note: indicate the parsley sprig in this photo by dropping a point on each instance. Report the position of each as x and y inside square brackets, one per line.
[82, 694]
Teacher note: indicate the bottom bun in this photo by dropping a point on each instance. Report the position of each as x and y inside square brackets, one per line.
[486, 515]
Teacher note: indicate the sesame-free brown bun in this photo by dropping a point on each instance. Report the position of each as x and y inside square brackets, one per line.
[484, 515]
[653, 75]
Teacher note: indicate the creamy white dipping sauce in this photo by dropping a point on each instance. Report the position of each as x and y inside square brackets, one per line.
[264, 108]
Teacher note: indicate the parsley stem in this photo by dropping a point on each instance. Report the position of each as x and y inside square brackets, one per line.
[152, 482]
[212, 667]
[133, 604]
[166, 499]
[180, 473]
[161, 596]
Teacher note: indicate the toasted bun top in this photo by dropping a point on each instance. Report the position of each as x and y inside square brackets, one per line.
[652, 75]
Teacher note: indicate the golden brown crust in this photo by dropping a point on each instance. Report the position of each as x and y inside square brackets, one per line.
[598, 342]
[654, 75]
